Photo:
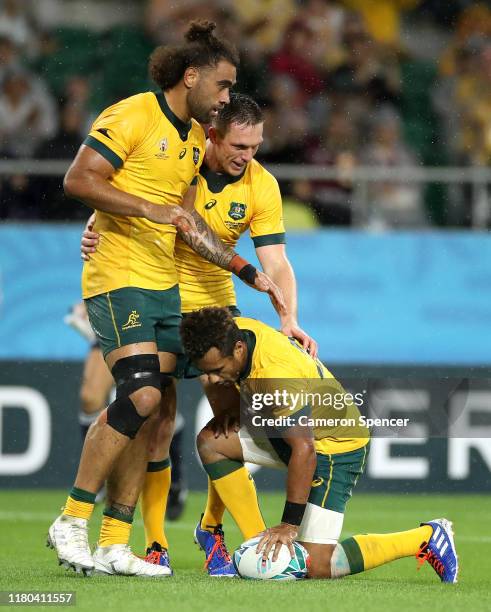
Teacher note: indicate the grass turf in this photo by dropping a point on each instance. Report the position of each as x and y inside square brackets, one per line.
[25, 563]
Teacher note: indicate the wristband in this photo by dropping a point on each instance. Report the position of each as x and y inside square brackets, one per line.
[293, 513]
[248, 274]
[243, 269]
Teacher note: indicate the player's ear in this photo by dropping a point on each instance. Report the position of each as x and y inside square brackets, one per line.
[213, 134]
[239, 349]
[191, 77]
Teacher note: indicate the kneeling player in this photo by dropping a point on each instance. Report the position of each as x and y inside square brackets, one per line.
[323, 466]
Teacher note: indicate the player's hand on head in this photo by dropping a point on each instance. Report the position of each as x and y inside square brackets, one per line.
[308, 343]
[89, 240]
[275, 537]
[263, 283]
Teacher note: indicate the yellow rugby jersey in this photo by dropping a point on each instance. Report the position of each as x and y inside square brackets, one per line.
[157, 157]
[230, 205]
[273, 358]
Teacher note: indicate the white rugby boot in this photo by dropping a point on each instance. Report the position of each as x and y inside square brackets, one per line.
[68, 536]
[118, 559]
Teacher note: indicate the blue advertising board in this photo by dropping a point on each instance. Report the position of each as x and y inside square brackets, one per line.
[397, 298]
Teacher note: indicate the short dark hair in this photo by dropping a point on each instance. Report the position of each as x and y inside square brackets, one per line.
[242, 110]
[207, 328]
[167, 64]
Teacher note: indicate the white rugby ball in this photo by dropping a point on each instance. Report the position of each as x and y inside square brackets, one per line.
[250, 565]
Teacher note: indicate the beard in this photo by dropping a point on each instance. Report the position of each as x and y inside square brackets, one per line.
[198, 109]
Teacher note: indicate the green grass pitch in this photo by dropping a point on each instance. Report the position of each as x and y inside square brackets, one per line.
[25, 563]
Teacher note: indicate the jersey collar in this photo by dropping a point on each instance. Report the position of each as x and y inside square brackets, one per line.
[181, 127]
[249, 338]
[217, 182]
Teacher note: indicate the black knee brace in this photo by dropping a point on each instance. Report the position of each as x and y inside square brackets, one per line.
[165, 380]
[123, 417]
[131, 373]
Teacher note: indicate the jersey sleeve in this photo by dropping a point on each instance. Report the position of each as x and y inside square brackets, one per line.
[266, 225]
[118, 131]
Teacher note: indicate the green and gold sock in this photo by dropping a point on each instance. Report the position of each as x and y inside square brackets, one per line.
[154, 501]
[370, 550]
[115, 528]
[80, 504]
[235, 487]
[215, 509]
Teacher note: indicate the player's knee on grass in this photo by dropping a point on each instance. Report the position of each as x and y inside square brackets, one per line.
[319, 559]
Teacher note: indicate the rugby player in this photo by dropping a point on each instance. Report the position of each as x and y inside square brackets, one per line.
[323, 462]
[234, 193]
[136, 168]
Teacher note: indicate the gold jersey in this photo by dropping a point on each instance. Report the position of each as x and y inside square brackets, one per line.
[230, 206]
[276, 361]
[156, 157]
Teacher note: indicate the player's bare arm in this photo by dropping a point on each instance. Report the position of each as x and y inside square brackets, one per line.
[301, 468]
[87, 180]
[204, 241]
[276, 265]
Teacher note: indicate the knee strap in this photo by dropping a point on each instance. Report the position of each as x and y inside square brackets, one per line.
[133, 373]
[123, 417]
[165, 380]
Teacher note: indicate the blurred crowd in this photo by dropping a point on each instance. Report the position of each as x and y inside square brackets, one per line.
[339, 84]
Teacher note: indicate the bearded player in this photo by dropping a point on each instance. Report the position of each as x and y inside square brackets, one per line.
[235, 194]
[136, 168]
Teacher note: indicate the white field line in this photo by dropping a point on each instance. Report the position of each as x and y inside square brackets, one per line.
[48, 517]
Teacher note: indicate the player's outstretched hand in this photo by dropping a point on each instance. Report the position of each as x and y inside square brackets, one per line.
[263, 283]
[282, 534]
[90, 239]
[308, 343]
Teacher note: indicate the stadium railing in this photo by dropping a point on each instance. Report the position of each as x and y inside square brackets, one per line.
[478, 178]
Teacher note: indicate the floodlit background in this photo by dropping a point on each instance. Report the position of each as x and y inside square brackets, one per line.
[378, 128]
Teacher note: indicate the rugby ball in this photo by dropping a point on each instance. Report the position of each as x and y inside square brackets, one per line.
[250, 565]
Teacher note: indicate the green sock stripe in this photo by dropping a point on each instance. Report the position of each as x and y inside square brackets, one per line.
[82, 496]
[355, 557]
[158, 466]
[118, 515]
[222, 468]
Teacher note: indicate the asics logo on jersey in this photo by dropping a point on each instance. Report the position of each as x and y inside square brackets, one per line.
[132, 321]
[182, 153]
[317, 482]
[237, 210]
[210, 204]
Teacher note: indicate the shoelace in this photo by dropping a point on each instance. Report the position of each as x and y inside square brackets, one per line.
[425, 554]
[220, 548]
[154, 557]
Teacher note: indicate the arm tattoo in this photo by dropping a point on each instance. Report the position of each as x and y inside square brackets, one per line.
[207, 244]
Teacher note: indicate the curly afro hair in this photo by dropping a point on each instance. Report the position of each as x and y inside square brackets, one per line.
[207, 328]
[167, 64]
